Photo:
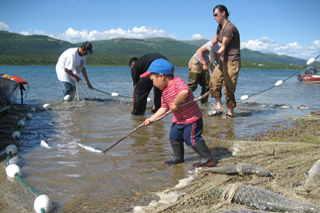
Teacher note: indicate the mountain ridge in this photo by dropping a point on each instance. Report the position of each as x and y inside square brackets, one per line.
[47, 50]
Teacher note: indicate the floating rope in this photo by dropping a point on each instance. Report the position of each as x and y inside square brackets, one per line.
[19, 178]
[112, 94]
[66, 98]
[42, 203]
[85, 91]
[21, 181]
[283, 80]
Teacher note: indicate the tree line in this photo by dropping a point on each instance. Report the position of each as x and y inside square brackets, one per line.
[93, 60]
[99, 60]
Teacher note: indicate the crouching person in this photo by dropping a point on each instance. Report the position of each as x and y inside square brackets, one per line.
[187, 121]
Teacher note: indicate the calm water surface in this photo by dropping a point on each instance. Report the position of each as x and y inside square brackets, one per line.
[77, 180]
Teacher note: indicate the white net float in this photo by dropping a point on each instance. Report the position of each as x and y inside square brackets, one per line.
[21, 123]
[16, 135]
[42, 202]
[244, 97]
[11, 149]
[29, 115]
[67, 97]
[12, 170]
[46, 106]
[311, 61]
[279, 83]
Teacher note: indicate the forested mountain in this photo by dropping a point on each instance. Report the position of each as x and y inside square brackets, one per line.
[19, 49]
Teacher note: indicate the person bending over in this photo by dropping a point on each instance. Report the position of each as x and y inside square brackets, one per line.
[143, 86]
[69, 66]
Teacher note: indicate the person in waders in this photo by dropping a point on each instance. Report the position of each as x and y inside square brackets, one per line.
[199, 70]
[187, 124]
[143, 86]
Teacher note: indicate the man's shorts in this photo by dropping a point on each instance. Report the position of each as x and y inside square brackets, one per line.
[189, 133]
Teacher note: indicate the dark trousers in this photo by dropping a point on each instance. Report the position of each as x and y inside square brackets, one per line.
[141, 93]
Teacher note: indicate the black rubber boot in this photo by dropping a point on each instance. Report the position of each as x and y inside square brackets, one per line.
[178, 151]
[206, 159]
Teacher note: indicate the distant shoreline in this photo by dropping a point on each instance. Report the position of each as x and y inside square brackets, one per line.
[35, 60]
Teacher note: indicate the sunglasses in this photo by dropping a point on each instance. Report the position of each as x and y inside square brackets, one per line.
[215, 15]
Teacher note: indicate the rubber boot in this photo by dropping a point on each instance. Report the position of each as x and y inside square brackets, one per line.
[178, 151]
[206, 159]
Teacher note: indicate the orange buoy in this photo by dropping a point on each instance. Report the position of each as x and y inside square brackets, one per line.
[19, 80]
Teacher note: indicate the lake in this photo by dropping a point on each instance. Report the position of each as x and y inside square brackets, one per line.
[77, 180]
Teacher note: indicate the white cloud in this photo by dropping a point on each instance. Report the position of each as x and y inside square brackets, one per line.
[197, 36]
[265, 44]
[33, 32]
[73, 36]
[3, 26]
[261, 44]
[316, 44]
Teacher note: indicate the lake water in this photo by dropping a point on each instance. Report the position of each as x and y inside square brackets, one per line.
[77, 180]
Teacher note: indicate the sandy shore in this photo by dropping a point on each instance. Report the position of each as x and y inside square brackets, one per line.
[288, 151]
[306, 129]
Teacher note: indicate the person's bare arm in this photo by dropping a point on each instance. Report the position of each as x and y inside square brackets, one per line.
[200, 52]
[182, 95]
[84, 73]
[224, 44]
[161, 111]
[69, 72]
[214, 41]
[133, 98]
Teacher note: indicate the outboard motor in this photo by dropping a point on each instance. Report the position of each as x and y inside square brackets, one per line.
[21, 81]
[299, 77]
[311, 70]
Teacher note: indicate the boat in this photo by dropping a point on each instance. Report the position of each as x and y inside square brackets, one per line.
[310, 75]
[311, 78]
[9, 90]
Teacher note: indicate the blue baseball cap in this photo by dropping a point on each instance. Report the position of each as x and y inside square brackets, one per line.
[159, 66]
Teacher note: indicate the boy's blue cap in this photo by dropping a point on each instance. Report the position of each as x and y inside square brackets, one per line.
[159, 66]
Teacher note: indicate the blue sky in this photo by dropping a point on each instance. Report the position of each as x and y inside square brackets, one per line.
[289, 27]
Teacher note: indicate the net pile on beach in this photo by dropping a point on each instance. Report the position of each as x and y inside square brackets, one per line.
[288, 190]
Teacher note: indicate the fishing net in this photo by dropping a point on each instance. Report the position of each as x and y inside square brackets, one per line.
[288, 161]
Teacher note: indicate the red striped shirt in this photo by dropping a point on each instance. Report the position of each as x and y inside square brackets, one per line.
[186, 114]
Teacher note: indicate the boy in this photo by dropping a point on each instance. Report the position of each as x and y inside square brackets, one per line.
[187, 121]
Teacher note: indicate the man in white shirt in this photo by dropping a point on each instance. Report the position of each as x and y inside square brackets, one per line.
[70, 63]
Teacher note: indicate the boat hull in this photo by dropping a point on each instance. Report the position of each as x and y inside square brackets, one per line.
[315, 78]
[9, 91]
